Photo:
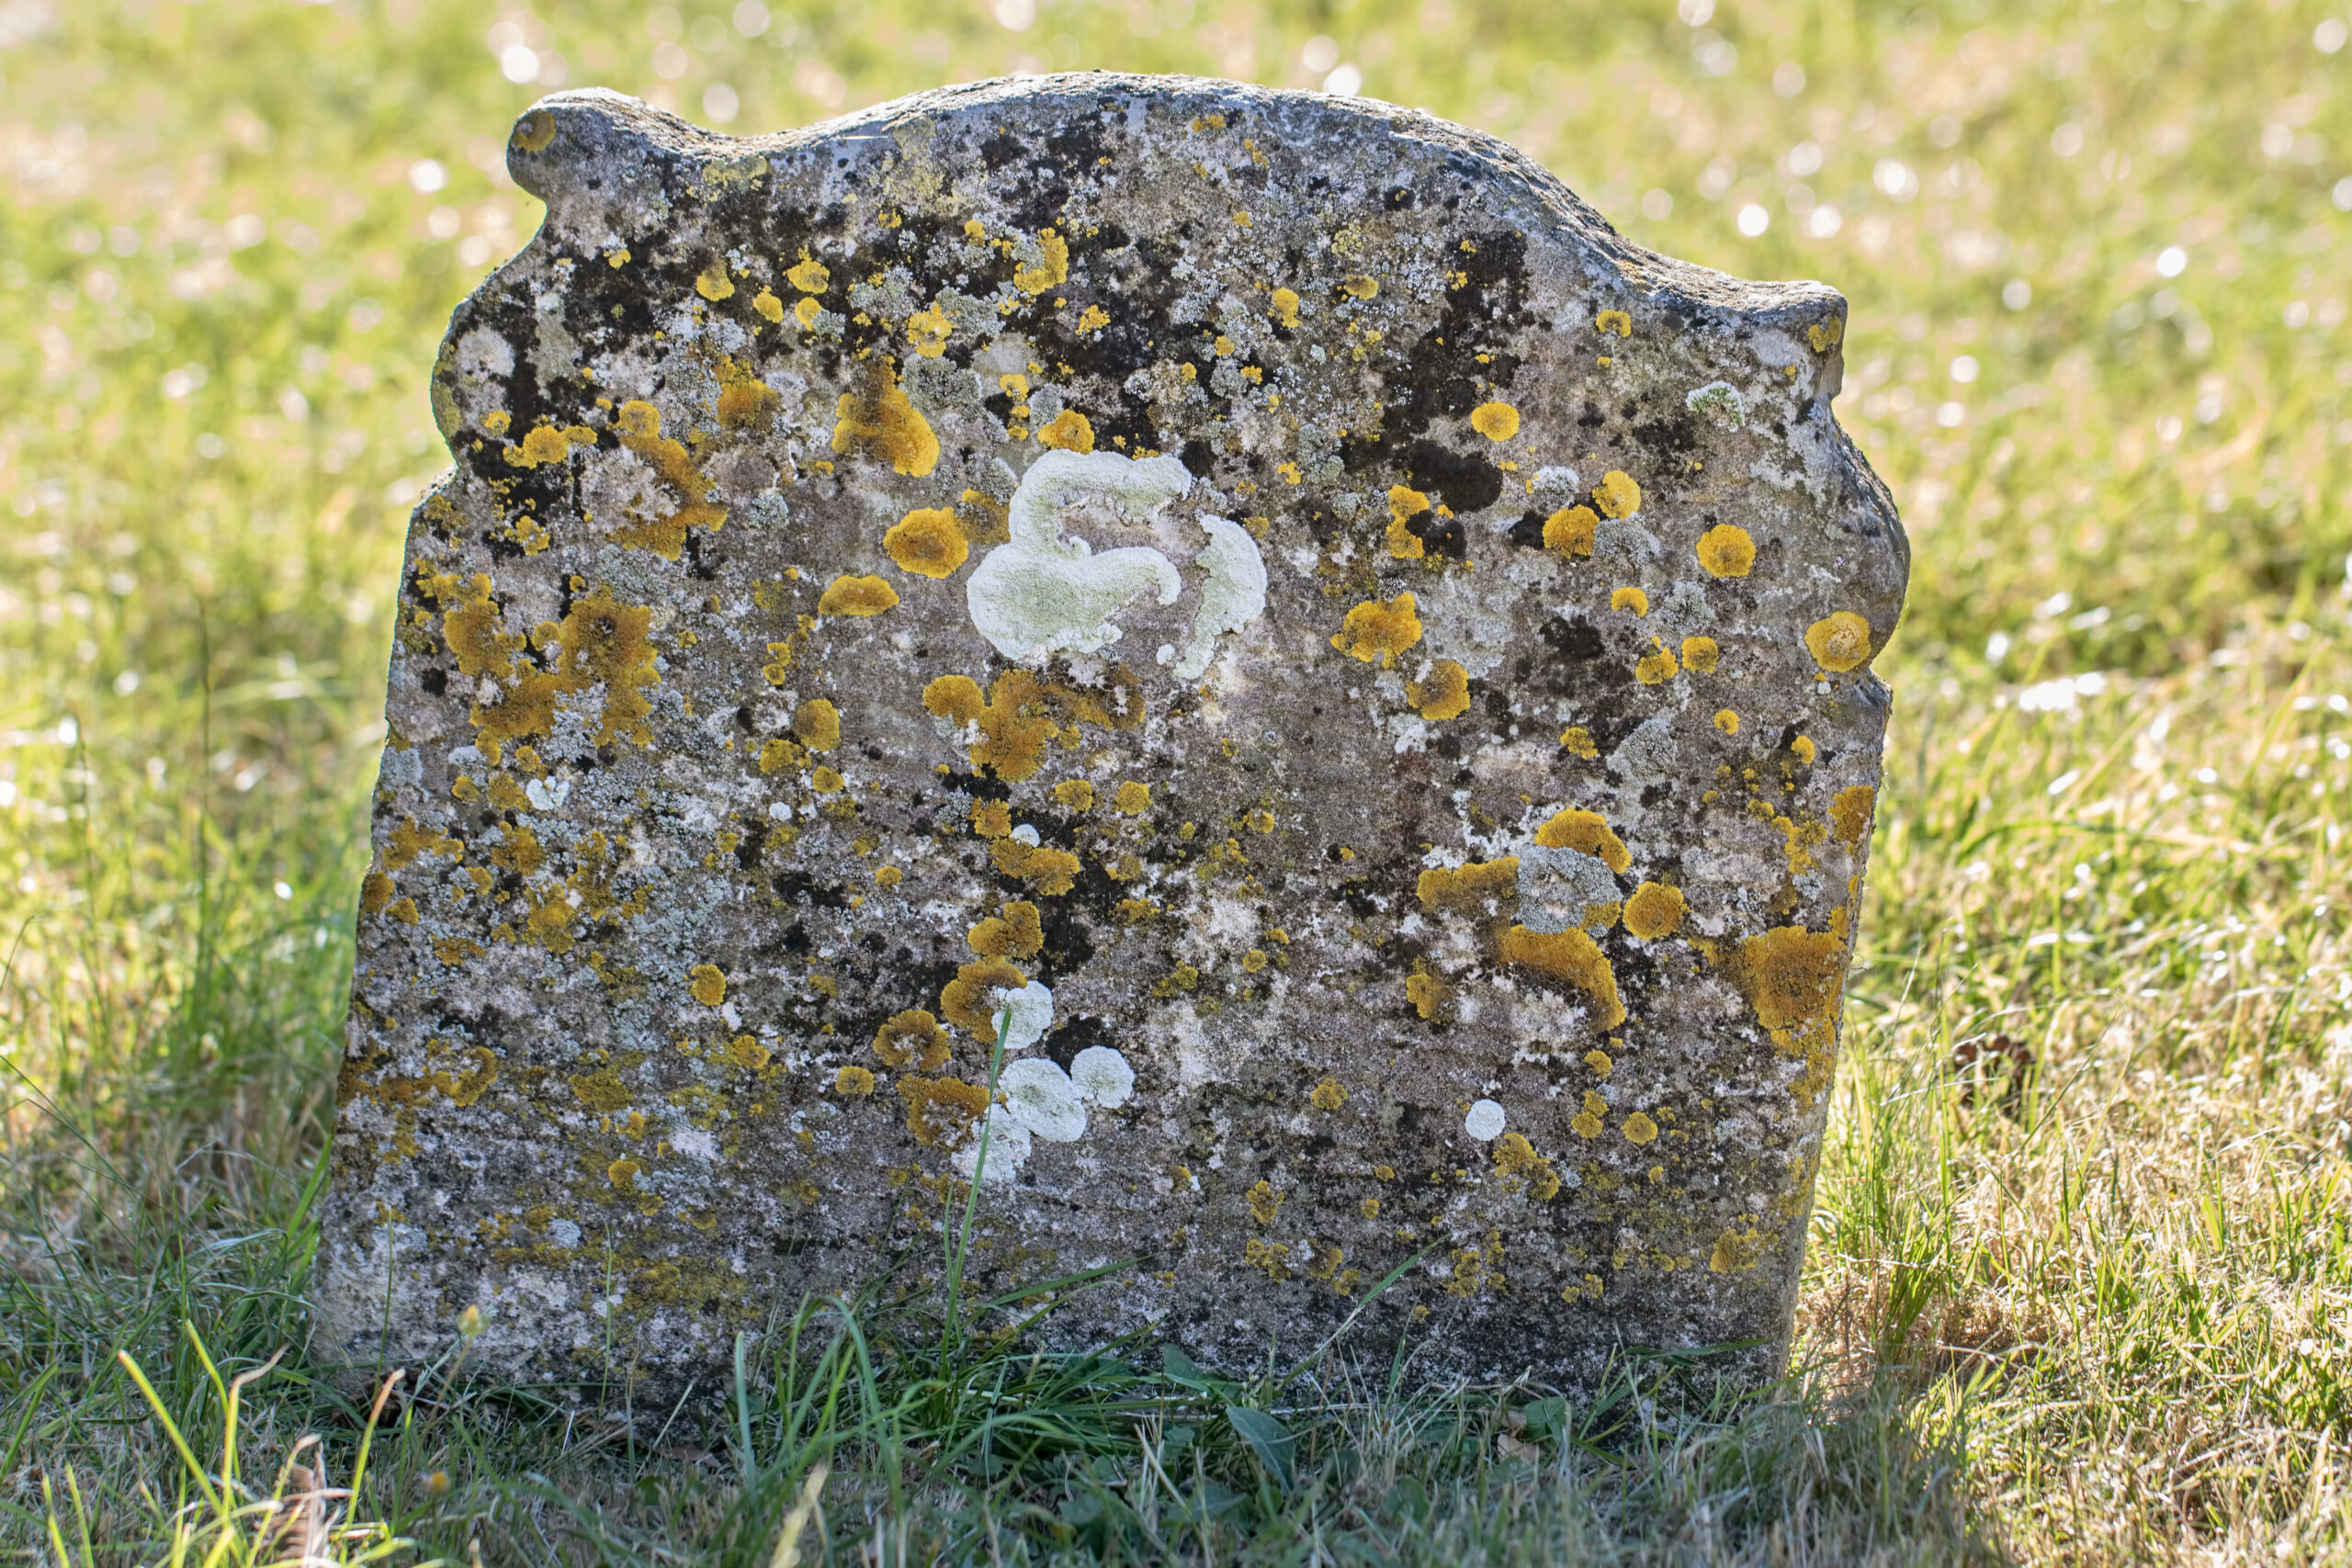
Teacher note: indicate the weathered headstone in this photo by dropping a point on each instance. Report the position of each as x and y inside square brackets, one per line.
[1371, 668]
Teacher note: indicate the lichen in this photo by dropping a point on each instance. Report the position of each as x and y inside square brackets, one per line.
[1265, 1201]
[1050, 872]
[1576, 829]
[1726, 551]
[1616, 322]
[1571, 531]
[1840, 641]
[853, 1080]
[858, 596]
[879, 421]
[1495, 422]
[1068, 431]
[818, 723]
[1639, 1128]
[1442, 694]
[1016, 934]
[1578, 742]
[1076, 794]
[638, 427]
[1700, 654]
[1630, 600]
[1572, 958]
[969, 1001]
[1617, 495]
[1657, 665]
[1132, 799]
[1515, 1161]
[1375, 630]
[1849, 813]
[913, 1038]
[1329, 1095]
[1654, 910]
[1468, 887]
[1041, 594]
[942, 1110]
[707, 982]
[1790, 977]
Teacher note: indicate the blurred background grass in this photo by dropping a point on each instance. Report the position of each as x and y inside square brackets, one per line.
[2087, 1187]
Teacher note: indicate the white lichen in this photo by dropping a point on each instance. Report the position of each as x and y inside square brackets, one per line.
[1024, 1015]
[1485, 1121]
[1041, 1098]
[1233, 593]
[1103, 1077]
[1008, 1149]
[1041, 593]
[1558, 885]
[1719, 400]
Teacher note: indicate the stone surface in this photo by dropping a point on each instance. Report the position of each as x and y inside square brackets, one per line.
[1370, 668]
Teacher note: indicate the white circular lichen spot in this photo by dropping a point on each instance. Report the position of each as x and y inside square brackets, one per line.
[1027, 1014]
[1026, 834]
[1040, 1096]
[1008, 1149]
[1043, 593]
[1103, 1077]
[1485, 1121]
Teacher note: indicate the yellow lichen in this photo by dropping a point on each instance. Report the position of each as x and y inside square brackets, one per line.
[1804, 748]
[1429, 993]
[1361, 286]
[879, 422]
[969, 1000]
[928, 542]
[1443, 693]
[1133, 799]
[748, 1053]
[817, 724]
[1050, 871]
[1572, 958]
[1016, 933]
[1404, 505]
[745, 403]
[714, 285]
[638, 427]
[1467, 888]
[1329, 1095]
[1576, 829]
[913, 1038]
[1700, 654]
[1516, 1160]
[1265, 1201]
[942, 1110]
[1616, 322]
[1014, 720]
[534, 132]
[1656, 667]
[928, 331]
[1849, 813]
[769, 306]
[1076, 794]
[1067, 431]
[1838, 641]
[1580, 742]
[856, 596]
[1630, 600]
[807, 274]
[1375, 630]
[622, 1174]
[853, 1080]
[826, 781]
[1570, 530]
[1617, 495]
[708, 983]
[1600, 1061]
[1792, 977]
[1824, 335]
[1285, 303]
[1639, 1129]
[1727, 721]
[1726, 551]
[1093, 318]
[1052, 269]
[807, 311]
[1654, 910]
[1736, 1250]
[1495, 422]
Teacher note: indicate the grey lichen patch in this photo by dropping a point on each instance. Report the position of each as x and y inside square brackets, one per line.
[1374, 699]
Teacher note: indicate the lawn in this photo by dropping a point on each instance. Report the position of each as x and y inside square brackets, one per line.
[2080, 1284]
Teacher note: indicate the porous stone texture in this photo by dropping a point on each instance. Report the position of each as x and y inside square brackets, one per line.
[1366, 671]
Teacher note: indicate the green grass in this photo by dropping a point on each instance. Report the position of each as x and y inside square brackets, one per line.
[2080, 1286]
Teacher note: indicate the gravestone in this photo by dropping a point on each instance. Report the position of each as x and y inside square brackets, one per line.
[1360, 670]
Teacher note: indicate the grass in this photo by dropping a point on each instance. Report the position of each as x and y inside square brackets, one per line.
[2080, 1288]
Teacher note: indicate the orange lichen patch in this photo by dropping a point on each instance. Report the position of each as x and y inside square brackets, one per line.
[1050, 871]
[1617, 495]
[1639, 1129]
[778, 754]
[408, 841]
[1654, 910]
[1068, 431]
[1375, 630]
[969, 1000]
[928, 331]
[1253, 961]
[848, 595]
[991, 819]
[1052, 269]
[1728, 720]
[818, 723]
[928, 542]
[1516, 1160]
[1726, 551]
[713, 284]
[1572, 958]
[1093, 318]
[609, 644]
[1361, 286]
[1329, 1095]
[708, 983]
[854, 1080]
[1804, 748]
[745, 403]
[1265, 1201]
[1285, 304]
[549, 444]
[1701, 654]
[1015, 721]
[1580, 742]
[1792, 977]
[1657, 665]
[955, 698]
[1495, 422]
[1076, 794]
[1444, 693]
[1840, 640]
[518, 851]
[1404, 505]
[1016, 933]
[1575, 828]
[1570, 530]
[1133, 799]
[1616, 322]
[911, 1039]
[639, 426]
[807, 274]
[1849, 813]
[1467, 888]
[1630, 600]
[942, 1110]
[880, 423]
[1429, 993]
